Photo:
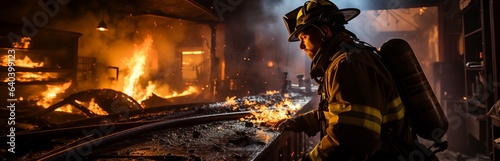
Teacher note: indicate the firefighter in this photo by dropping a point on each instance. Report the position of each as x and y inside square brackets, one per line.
[361, 115]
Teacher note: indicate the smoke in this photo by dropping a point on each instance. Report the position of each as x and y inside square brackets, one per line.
[117, 45]
[258, 46]
[256, 37]
[418, 26]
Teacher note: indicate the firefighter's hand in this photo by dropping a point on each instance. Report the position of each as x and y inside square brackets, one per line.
[287, 125]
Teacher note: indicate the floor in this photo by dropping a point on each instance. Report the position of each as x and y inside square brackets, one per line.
[455, 156]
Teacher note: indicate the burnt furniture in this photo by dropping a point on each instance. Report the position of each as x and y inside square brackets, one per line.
[53, 55]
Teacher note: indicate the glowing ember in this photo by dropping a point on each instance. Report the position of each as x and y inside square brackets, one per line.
[249, 103]
[230, 101]
[272, 92]
[51, 93]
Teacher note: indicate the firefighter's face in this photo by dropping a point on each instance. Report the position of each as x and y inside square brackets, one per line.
[310, 41]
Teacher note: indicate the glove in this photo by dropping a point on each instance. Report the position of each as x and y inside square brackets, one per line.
[305, 157]
[288, 125]
[307, 123]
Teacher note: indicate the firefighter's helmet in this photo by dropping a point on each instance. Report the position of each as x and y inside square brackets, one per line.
[315, 11]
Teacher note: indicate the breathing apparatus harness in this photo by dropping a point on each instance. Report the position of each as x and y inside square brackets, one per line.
[322, 59]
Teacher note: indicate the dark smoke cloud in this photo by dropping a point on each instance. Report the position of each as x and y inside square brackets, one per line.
[113, 47]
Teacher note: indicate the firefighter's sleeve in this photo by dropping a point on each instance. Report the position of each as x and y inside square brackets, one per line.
[354, 116]
[308, 122]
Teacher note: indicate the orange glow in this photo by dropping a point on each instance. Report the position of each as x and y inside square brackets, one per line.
[270, 64]
[192, 52]
[93, 107]
[273, 114]
[68, 109]
[136, 66]
[272, 92]
[32, 76]
[102, 29]
[189, 91]
[26, 62]
[230, 101]
[51, 93]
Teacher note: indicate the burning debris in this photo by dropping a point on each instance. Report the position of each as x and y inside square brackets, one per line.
[189, 134]
[136, 66]
[51, 93]
[266, 109]
[26, 62]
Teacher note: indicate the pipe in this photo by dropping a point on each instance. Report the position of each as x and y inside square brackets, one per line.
[118, 136]
[98, 119]
[77, 131]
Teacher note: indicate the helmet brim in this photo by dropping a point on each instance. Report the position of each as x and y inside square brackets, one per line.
[349, 14]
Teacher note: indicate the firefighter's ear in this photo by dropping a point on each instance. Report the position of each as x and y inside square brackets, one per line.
[326, 30]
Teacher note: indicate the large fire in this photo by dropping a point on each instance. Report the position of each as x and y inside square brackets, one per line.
[131, 85]
[136, 66]
[51, 93]
[26, 62]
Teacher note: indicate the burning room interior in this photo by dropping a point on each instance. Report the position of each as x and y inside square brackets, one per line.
[209, 79]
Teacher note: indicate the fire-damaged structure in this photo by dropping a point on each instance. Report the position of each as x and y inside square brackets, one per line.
[157, 100]
[208, 79]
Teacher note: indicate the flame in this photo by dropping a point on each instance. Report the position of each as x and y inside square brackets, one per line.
[282, 110]
[67, 108]
[93, 107]
[230, 101]
[50, 94]
[272, 92]
[249, 103]
[136, 66]
[32, 76]
[189, 91]
[26, 62]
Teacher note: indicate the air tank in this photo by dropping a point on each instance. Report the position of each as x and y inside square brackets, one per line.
[422, 107]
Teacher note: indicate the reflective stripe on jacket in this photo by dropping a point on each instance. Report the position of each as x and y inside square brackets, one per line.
[361, 98]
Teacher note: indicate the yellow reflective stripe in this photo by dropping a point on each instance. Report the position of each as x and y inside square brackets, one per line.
[395, 116]
[395, 111]
[361, 122]
[394, 103]
[367, 110]
[314, 154]
[357, 115]
[334, 109]
[327, 144]
[299, 14]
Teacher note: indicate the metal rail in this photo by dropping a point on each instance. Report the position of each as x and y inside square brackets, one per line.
[118, 136]
[77, 131]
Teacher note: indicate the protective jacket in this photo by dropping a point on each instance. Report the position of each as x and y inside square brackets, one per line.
[361, 103]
